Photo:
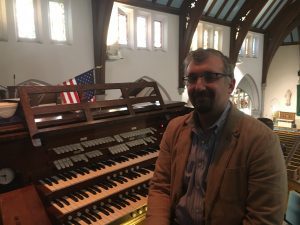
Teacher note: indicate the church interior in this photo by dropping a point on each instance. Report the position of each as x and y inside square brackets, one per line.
[87, 88]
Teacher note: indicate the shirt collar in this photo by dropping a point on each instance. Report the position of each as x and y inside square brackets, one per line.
[217, 125]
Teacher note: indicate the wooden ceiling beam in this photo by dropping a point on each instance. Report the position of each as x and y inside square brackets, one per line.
[265, 14]
[241, 24]
[211, 7]
[280, 27]
[169, 3]
[230, 10]
[268, 19]
[221, 9]
[101, 11]
[150, 5]
[188, 22]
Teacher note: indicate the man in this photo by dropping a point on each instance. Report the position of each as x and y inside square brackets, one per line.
[216, 166]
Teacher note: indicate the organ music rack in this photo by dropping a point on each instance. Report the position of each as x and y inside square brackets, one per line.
[89, 162]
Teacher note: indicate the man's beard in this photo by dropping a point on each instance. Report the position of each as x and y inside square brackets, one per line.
[202, 101]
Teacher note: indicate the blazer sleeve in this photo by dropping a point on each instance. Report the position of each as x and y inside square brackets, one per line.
[159, 198]
[267, 181]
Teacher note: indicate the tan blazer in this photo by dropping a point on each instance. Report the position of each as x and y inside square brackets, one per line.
[247, 181]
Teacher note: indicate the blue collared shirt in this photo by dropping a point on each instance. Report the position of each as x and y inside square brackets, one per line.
[190, 208]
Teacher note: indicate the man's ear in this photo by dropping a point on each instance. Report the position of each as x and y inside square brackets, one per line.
[231, 86]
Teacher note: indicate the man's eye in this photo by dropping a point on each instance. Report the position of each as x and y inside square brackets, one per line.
[192, 78]
[210, 76]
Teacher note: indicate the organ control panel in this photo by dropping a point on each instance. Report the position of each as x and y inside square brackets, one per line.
[85, 163]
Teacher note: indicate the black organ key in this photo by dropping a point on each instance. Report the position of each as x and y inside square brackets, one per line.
[117, 179]
[81, 172]
[120, 203]
[143, 171]
[91, 191]
[85, 170]
[95, 214]
[71, 174]
[82, 193]
[115, 205]
[97, 189]
[122, 179]
[53, 180]
[57, 202]
[93, 167]
[91, 217]
[62, 177]
[112, 183]
[47, 181]
[103, 210]
[74, 222]
[130, 198]
[134, 196]
[78, 195]
[103, 186]
[131, 156]
[108, 208]
[107, 184]
[100, 165]
[73, 197]
[85, 219]
[64, 201]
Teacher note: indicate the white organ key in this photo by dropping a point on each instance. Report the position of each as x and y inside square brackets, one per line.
[93, 174]
[106, 193]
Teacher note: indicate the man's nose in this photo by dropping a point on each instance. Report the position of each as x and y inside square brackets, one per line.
[200, 83]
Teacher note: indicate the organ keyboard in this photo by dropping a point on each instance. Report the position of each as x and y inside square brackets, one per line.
[90, 162]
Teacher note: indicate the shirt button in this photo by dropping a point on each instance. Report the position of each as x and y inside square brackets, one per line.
[199, 164]
[203, 142]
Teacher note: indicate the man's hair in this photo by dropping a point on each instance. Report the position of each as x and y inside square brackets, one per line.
[200, 55]
[267, 122]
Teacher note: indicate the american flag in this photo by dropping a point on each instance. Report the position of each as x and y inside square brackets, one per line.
[73, 97]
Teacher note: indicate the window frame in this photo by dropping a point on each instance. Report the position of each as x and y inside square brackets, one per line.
[146, 31]
[68, 22]
[210, 29]
[161, 34]
[37, 22]
[3, 21]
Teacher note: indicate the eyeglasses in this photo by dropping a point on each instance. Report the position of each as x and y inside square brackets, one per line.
[208, 77]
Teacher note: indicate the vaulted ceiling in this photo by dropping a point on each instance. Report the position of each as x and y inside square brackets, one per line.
[278, 20]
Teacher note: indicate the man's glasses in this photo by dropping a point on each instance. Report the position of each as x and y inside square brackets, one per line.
[208, 77]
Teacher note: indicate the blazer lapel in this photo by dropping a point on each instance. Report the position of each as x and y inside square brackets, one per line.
[183, 151]
[221, 158]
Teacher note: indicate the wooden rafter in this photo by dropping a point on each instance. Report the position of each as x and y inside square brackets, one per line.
[188, 22]
[169, 3]
[150, 5]
[241, 25]
[280, 27]
[268, 19]
[265, 14]
[221, 8]
[230, 10]
[210, 7]
[101, 11]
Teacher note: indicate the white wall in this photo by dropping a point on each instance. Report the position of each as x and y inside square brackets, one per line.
[46, 61]
[282, 75]
[161, 66]
[252, 67]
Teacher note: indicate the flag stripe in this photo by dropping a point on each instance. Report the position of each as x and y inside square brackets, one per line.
[73, 97]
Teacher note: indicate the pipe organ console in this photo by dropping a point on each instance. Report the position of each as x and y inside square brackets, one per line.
[84, 163]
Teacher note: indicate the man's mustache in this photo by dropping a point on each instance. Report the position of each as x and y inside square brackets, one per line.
[205, 93]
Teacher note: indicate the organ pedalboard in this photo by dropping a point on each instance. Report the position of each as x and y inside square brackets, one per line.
[87, 163]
